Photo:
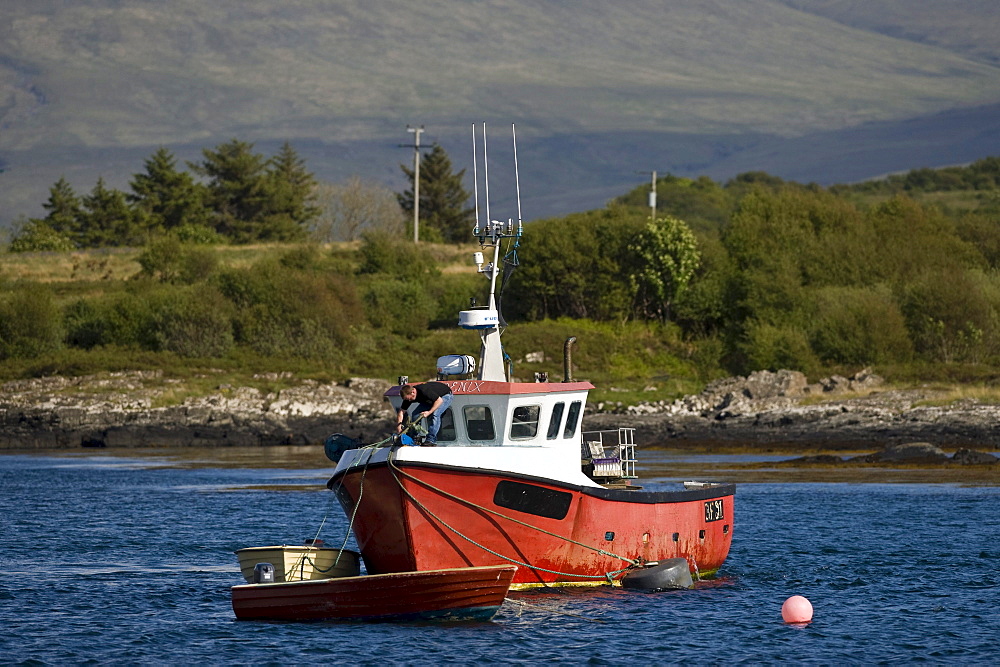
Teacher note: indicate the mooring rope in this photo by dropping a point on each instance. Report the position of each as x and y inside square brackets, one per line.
[609, 576]
[394, 469]
[354, 512]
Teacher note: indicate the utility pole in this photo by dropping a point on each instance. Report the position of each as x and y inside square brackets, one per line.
[652, 193]
[416, 180]
[652, 197]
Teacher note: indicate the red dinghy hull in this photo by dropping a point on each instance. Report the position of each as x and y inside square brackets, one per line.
[421, 516]
[456, 594]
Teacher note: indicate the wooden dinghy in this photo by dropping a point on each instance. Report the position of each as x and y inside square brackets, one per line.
[295, 563]
[456, 594]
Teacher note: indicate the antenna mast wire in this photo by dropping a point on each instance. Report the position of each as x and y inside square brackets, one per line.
[486, 168]
[475, 175]
[517, 181]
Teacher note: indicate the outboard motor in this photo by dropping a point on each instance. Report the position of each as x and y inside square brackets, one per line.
[669, 574]
[263, 573]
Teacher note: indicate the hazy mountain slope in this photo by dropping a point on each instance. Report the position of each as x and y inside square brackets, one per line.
[966, 27]
[93, 86]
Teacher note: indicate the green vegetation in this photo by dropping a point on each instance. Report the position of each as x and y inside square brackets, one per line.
[761, 273]
[443, 212]
[245, 198]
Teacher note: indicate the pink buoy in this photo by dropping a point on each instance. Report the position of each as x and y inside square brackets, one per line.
[797, 609]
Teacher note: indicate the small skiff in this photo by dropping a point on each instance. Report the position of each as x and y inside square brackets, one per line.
[294, 563]
[458, 594]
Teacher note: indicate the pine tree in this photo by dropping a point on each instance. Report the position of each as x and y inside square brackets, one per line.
[107, 220]
[290, 206]
[237, 186]
[63, 208]
[166, 197]
[443, 210]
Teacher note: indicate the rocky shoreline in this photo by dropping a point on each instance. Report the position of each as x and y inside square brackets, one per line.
[768, 411]
[782, 411]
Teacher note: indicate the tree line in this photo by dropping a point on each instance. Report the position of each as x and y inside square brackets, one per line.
[787, 275]
[753, 273]
[237, 195]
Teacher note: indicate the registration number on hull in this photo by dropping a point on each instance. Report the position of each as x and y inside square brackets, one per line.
[714, 511]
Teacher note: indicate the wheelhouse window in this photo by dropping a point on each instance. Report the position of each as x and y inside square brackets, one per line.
[555, 420]
[479, 422]
[524, 424]
[572, 418]
[447, 431]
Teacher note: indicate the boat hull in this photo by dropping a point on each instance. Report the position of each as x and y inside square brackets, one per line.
[417, 516]
[462, 594]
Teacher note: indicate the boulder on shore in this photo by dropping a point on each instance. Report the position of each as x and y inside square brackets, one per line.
[907, 452]
[967, 457]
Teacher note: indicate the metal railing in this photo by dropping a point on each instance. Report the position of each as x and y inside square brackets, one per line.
[618, 444]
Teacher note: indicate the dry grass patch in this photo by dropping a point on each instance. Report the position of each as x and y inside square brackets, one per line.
[954, 394]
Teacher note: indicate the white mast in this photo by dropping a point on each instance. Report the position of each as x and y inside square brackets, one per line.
[475, 179]
[491, 235]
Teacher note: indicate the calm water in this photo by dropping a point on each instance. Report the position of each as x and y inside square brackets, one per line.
[110, 560]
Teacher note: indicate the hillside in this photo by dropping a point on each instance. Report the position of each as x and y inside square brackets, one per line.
[806, 89]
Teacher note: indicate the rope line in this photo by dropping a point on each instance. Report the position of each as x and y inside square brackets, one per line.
[416, 426]
[347, 536]
[607, 576]
[630, 561]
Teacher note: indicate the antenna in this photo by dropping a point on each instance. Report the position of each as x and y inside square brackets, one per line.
[486, 168]
[517, 181]
[475, 177]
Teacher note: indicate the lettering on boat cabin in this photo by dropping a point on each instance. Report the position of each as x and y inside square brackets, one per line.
[467, 387]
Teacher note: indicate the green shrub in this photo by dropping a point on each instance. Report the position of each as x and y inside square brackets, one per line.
[576, 267]
[193, 322]
[954, 315]
[859, 326]
[283, 311]
[124, 319]
[773, 347]
[192, 234]
[403, 307]
[37, 236]
[168, 260]
[392, 255]
[302, 257]
[30, 322]
[451, 294]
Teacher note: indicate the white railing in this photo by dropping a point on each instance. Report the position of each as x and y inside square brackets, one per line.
[613, 452]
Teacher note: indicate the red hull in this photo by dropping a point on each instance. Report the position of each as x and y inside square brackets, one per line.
[424, 517]
[452, 594]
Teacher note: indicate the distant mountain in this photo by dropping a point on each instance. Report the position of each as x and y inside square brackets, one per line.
[816, 90]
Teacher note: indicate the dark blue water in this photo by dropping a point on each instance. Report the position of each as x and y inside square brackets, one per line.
[108, 560]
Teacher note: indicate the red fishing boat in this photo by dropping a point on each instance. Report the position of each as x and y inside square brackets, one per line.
[514, 477]
[463, 594]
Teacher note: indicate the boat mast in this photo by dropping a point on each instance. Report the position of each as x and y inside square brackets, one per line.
[491, 236]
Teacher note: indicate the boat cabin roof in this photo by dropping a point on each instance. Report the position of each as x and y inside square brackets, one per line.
[486, 413]
[495, 388]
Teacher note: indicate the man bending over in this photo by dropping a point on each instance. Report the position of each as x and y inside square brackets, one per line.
[432, 399]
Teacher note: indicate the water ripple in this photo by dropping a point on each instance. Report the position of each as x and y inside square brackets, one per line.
[117, 563]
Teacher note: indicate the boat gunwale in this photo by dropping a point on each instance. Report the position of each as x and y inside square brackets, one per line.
[384, 576]
[721, 490]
